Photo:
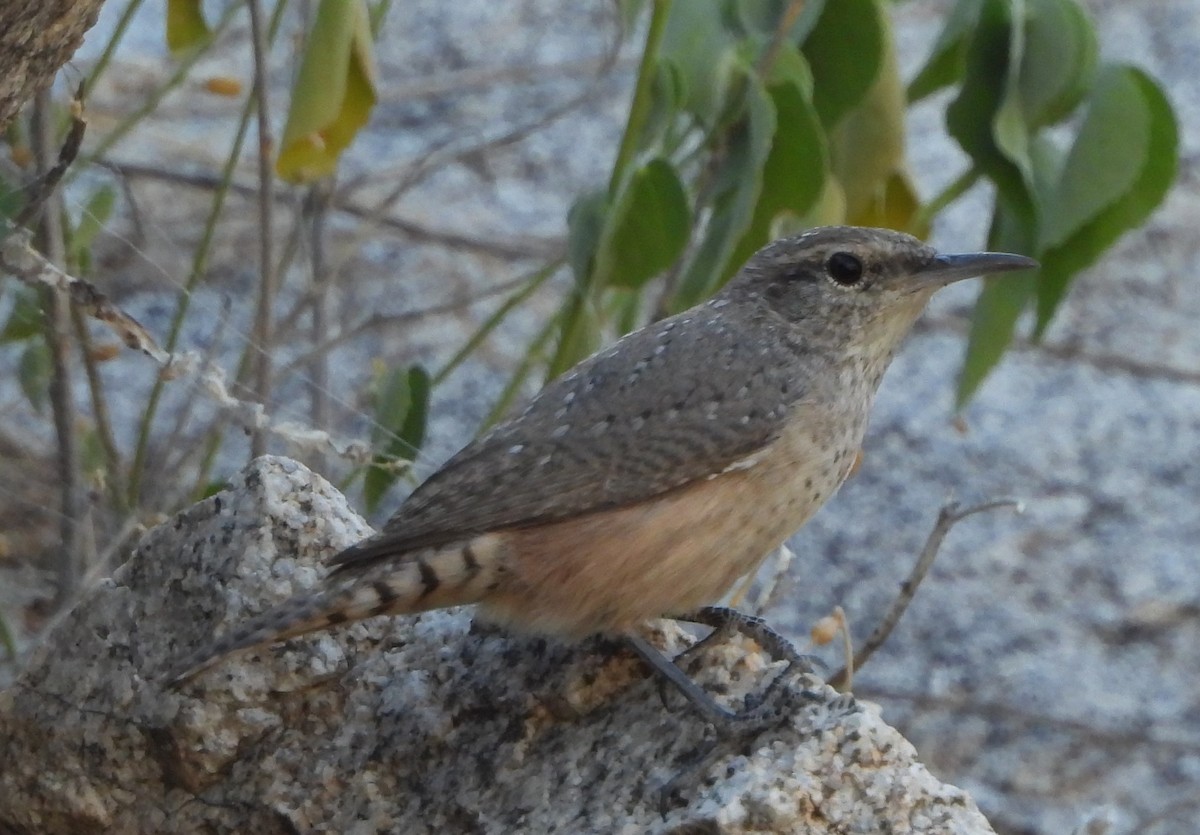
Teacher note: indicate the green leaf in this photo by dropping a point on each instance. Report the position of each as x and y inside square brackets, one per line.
[1106, 159]
[12, 196]
[794, 173]
[1052, 58]
[95, 214]
[1058, 62]
[970, 118]
[700, 47]
[737, 186]
[25, 319]
[993, 323]
[845, 52]
[1117, 172]
[391, 400]
[998, 307]
[867, 147]
[92, 219]
[895, 206]
[412, 431]
[92, 459]
[791, 68]
[185, 25]
[1009, 128]
[585, 223]
[646, 230]
[947, 62]
[334, 92]
[665, 101]
[829, 210]
[762, 17]
[401, 415]
[579, 335]
[33, 373]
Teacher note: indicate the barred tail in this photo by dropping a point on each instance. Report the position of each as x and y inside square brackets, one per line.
[451, 576]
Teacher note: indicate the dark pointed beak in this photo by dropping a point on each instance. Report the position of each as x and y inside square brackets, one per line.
[946, 269]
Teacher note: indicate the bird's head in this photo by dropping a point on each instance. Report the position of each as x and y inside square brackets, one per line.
[854, 283]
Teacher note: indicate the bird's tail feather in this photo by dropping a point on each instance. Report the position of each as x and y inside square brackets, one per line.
[450, 576]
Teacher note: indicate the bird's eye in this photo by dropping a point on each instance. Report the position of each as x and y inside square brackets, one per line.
[844, 268]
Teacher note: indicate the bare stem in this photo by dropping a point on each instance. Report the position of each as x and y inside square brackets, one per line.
[317, 205]
[110, 48]
[199, 266]
[948, 517]
[150, 105]
[268, 280]
[115, 474]
[786, 21]
[68, 566]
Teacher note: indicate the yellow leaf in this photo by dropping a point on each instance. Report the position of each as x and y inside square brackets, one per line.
[334, 92]
[185, 24]
[830, 209]
[868, 144]
[223, 85]
[894, 206]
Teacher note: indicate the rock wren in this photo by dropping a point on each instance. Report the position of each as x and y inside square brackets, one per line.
[645, 481]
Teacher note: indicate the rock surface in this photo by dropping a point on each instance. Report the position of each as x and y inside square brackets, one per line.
[36, 38]
[421, 724]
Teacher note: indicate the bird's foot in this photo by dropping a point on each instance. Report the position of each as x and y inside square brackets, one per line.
[760, 711]
[725, 622]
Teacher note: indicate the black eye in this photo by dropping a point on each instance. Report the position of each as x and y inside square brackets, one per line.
[844, 268]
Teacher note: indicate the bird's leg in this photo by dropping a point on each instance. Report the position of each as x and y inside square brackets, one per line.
[767, 709]
[763, 710]
[725, 621]
[669, 670]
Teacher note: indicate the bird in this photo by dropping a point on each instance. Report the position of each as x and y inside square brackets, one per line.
[645, 481]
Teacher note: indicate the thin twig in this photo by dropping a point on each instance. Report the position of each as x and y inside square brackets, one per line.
[115, 474]
[114, 40]
[57, 334]
[532, 283]
[264, 331]
[317, 209]
[198, 268]
[513, 247]
[437, 159]
[174, 440]
[839, 614]
[784, 27]
[21, 260]
[182, 69]
[45, 187]
[949, 515]
[376, 321]
[643, 95]
[533, 354]
[474, 79]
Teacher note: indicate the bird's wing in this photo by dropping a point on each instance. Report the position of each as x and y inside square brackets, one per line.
[675, 402]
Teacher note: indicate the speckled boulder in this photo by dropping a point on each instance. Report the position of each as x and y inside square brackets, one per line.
[418, 724]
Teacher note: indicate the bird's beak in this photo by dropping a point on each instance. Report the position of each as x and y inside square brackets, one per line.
[946, 269]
